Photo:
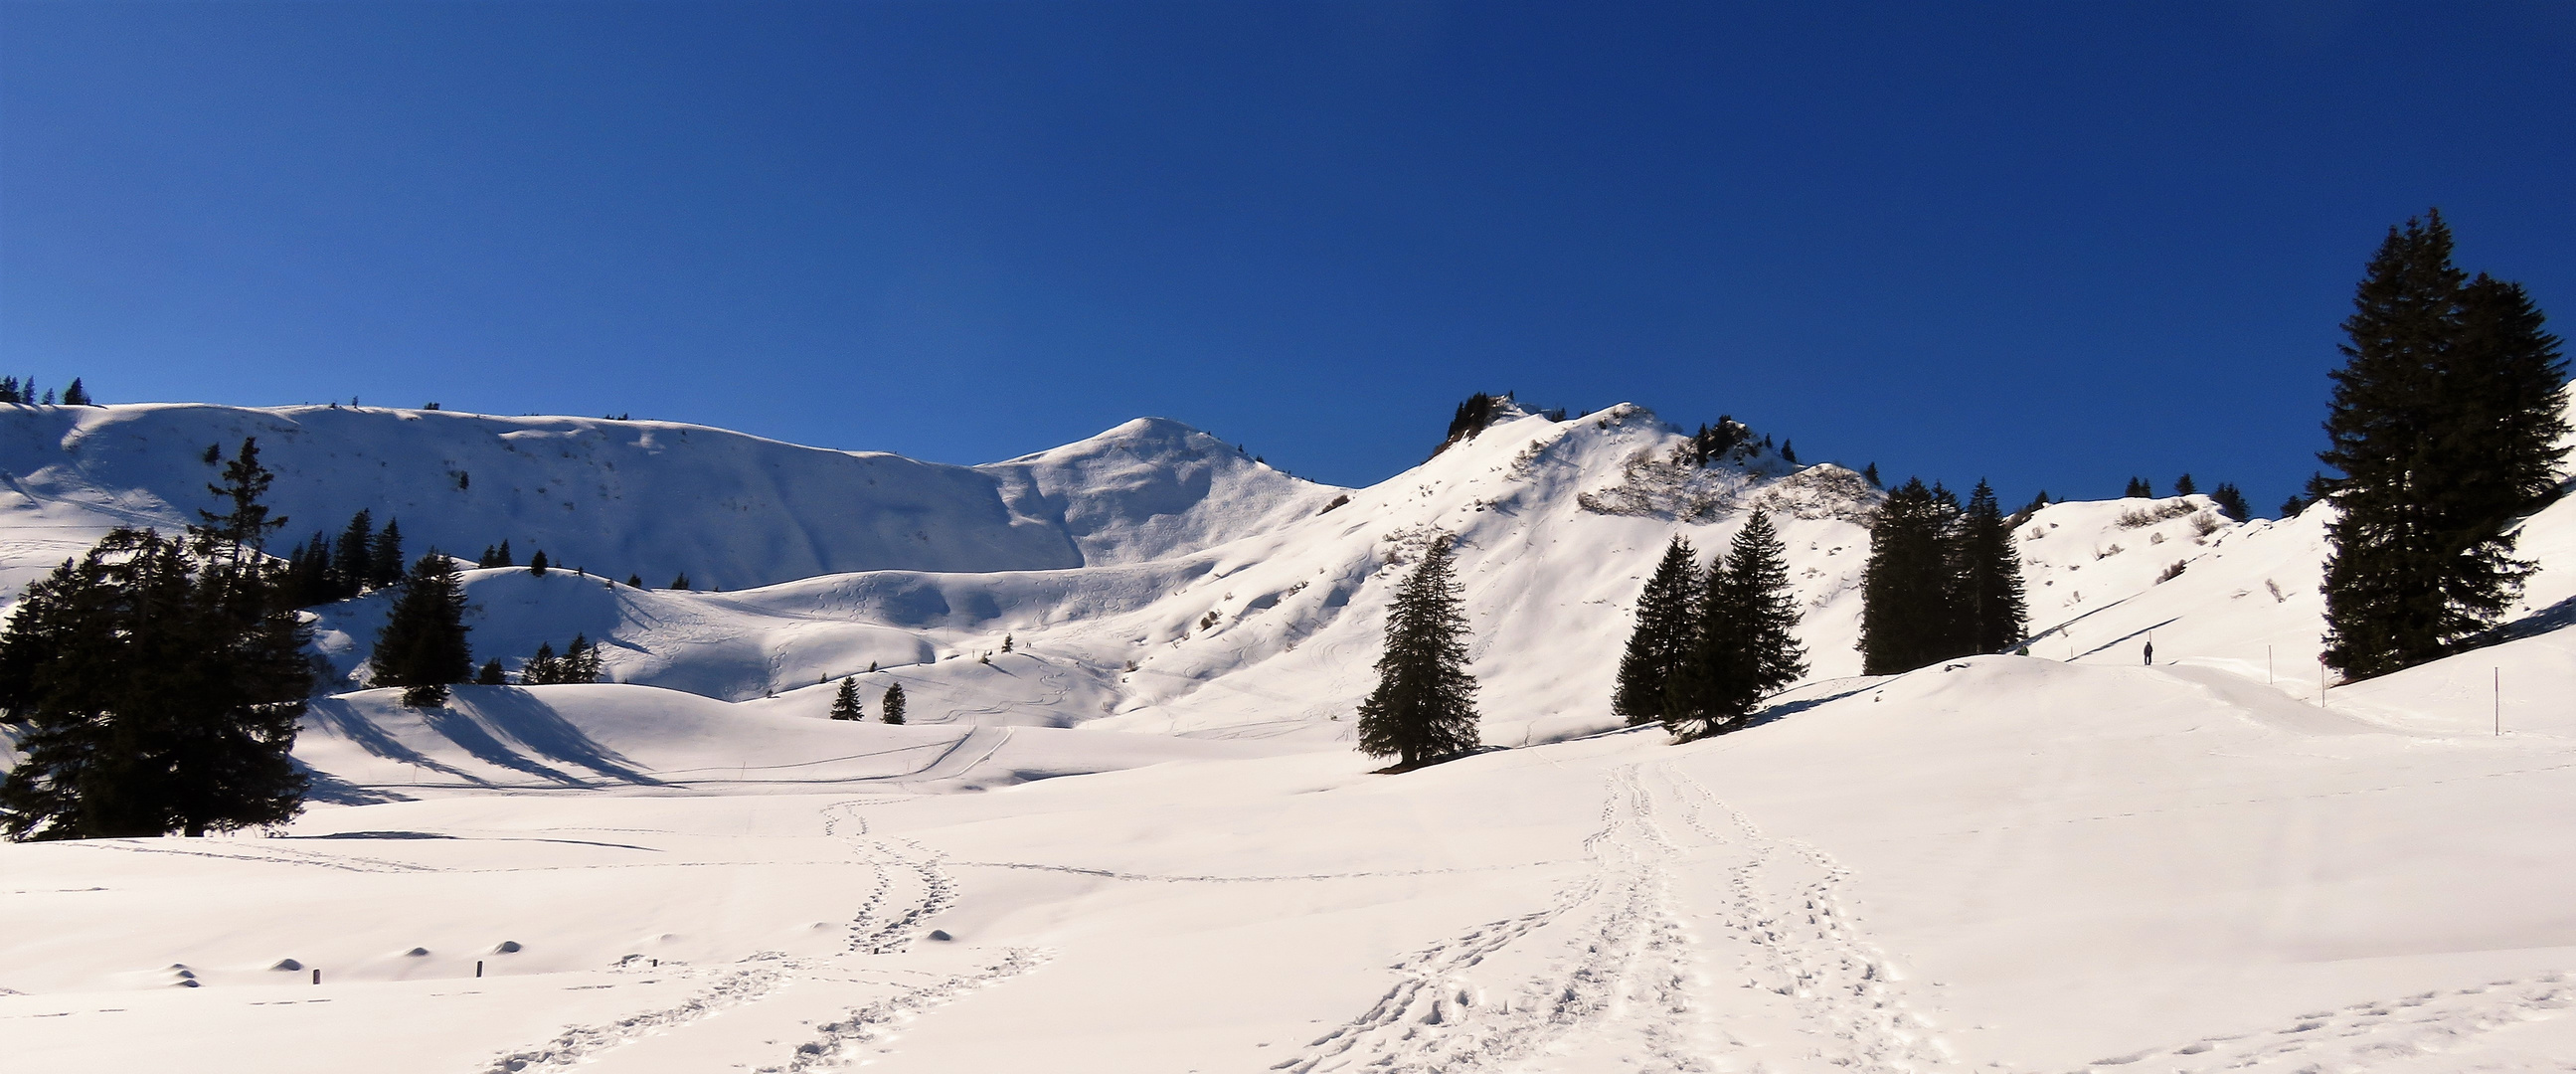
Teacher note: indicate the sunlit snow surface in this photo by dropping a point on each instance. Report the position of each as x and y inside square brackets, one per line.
[2000, 863]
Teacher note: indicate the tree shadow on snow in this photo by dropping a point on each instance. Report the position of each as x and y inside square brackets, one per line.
[533, 724]
[345, 720]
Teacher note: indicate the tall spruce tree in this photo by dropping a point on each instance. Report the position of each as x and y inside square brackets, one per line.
[353, 558]
[1667, 616]
[2442, 425]
[385, 560]
[1423, 709]
[845, 701]
[1988, 609]
[1905, 619]
[422, 647]
[158, 683]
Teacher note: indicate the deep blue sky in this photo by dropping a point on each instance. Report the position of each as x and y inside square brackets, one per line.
[2054, 244]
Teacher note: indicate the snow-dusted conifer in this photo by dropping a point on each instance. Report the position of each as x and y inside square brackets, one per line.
[845, 701]
[1423, 709]
[1667, 617]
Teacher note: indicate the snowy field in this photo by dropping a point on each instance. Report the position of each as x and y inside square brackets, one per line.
[1140, 841]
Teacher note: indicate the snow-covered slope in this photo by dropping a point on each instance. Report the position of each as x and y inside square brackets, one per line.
[1554, 523]
[632, 497]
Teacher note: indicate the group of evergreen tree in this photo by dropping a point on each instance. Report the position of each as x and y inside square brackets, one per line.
[1478, 411]
[321, 570]
[578, 664]
[2230, 499]
[1423, 709]
[1709, 646]
[2443, 429]
[155, 683]
[13, 390]
[1711, 444]
[1941, 581]
[496, 556]
[845, 702]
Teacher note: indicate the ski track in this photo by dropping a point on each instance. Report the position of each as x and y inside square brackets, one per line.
[1784, 900]
[835, 1042]
[1628, 964]
[756, 979]
[883, 924]
[265, 855]
[2366, 1036]
[1622, 981]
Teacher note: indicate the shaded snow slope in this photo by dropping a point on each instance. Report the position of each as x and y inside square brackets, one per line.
[640, 497]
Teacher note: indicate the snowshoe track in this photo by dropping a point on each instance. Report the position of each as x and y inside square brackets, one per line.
[2411, 1031]
[1627, 964]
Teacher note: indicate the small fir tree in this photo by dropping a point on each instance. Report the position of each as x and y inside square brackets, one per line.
[1423, 709]
[634, 581]
[1746, 643]
[491, 675]
[2184, 486]
[2139, 490]
[75, 395]
[891, 705]
[680, 581]
[537, 563]
[541, 668]
[845, 701]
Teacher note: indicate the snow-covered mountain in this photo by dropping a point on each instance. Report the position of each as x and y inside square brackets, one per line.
[632, 497]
